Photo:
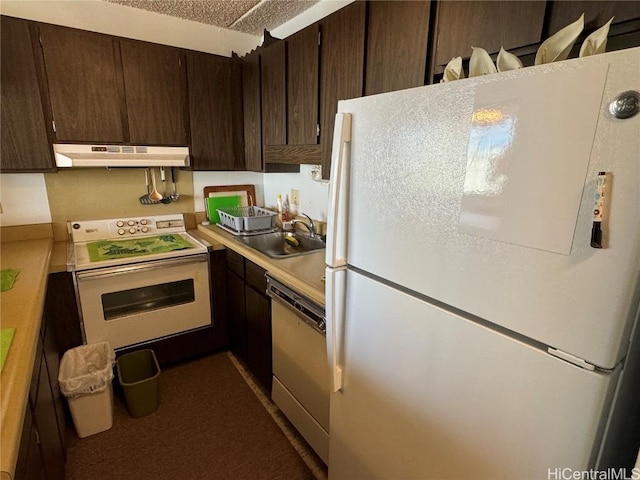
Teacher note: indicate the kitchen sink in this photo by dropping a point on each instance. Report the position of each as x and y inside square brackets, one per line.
[274, 244]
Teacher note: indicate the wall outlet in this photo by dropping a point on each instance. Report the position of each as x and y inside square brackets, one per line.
[295, 197]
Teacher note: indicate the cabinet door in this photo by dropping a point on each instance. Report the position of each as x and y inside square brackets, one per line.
[237, 316]
[252, 112]
[215, 109]
[341, 70]
[396, 45]
[155, 88]
[52, 359]
[259, 336]
[274, 101]
[25, 145]
[302, 86]
[486, 24]
[596, 13]
[84, 84]
[29, 464]
[44, 411]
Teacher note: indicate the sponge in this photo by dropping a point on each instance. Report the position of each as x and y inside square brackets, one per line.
[292, 241]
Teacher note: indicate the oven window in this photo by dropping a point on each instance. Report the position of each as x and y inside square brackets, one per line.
[144, 299]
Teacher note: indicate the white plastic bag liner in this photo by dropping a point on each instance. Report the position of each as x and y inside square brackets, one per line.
[86, 369]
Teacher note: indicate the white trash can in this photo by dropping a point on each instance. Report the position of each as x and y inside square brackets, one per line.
[85, 378]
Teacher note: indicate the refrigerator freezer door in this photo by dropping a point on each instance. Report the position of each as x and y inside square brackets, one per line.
[428, 394]
[408, 166]
[335, 254]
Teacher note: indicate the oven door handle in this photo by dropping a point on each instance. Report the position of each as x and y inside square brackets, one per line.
[139, 267]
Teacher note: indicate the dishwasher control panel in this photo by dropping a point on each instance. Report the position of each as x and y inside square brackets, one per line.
[308, 310]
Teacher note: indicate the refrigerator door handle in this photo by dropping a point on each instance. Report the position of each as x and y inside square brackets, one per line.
[336, 251]
[336, 282]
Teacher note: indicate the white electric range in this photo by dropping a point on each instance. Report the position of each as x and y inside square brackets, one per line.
[139, 279]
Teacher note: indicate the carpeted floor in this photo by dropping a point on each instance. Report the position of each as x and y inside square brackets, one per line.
[210, 425]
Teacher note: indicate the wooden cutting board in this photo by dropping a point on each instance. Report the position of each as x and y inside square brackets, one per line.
[250, 189]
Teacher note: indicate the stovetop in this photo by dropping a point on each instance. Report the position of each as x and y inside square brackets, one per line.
[127, 240]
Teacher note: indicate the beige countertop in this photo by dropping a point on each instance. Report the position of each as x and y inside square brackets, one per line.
[303, 273]
[20, 308]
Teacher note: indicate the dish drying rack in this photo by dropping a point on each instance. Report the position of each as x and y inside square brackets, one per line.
[246, 220]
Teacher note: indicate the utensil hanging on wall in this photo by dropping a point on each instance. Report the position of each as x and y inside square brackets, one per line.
[175, 196]
[154, 195]
[165, 198]
[144, 199]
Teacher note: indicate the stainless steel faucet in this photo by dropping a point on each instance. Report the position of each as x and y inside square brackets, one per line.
[310, 226]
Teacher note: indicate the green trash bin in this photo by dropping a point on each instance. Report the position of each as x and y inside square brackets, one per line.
[139, 375]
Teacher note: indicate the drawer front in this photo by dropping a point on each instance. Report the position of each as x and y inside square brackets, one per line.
[235, 262]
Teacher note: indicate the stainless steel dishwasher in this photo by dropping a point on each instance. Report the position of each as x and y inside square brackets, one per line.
[300, 370]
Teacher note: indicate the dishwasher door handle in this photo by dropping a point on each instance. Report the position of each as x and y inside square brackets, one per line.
[317, 324]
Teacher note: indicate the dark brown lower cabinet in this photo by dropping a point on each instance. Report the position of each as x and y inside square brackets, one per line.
[29, 465]
[42, 449]
[249, 316]
[259, 335]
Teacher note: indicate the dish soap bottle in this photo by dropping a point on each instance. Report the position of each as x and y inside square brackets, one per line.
[287, 226]
[279, 209]
[285, 209]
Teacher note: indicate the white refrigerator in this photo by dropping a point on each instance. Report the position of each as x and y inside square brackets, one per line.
[473, 331]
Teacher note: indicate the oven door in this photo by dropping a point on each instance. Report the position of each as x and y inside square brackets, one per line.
[136, 303]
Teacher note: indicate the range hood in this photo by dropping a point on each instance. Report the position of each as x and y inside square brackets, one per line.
[72, 155]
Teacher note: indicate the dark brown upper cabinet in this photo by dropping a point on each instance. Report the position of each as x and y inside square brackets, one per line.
[274, 95]
[302, 86]
[341, 68]
[252, 112]
[215, 109]
[290, 81]
[397, 37]
[156, 93]
[84, 84]
[486, 24]
[25, 140]
[596, 13]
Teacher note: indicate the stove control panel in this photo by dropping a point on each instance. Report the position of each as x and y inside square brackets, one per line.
[93, 230]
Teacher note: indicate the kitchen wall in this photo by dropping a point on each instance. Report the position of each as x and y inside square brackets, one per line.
[314, 196]
[86, 193]
[83, 193]
[24, 201]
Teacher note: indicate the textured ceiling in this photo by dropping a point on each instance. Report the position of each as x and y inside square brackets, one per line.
[248, 16]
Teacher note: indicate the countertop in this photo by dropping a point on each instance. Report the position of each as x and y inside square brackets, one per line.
[21, 308]
[303, 273]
